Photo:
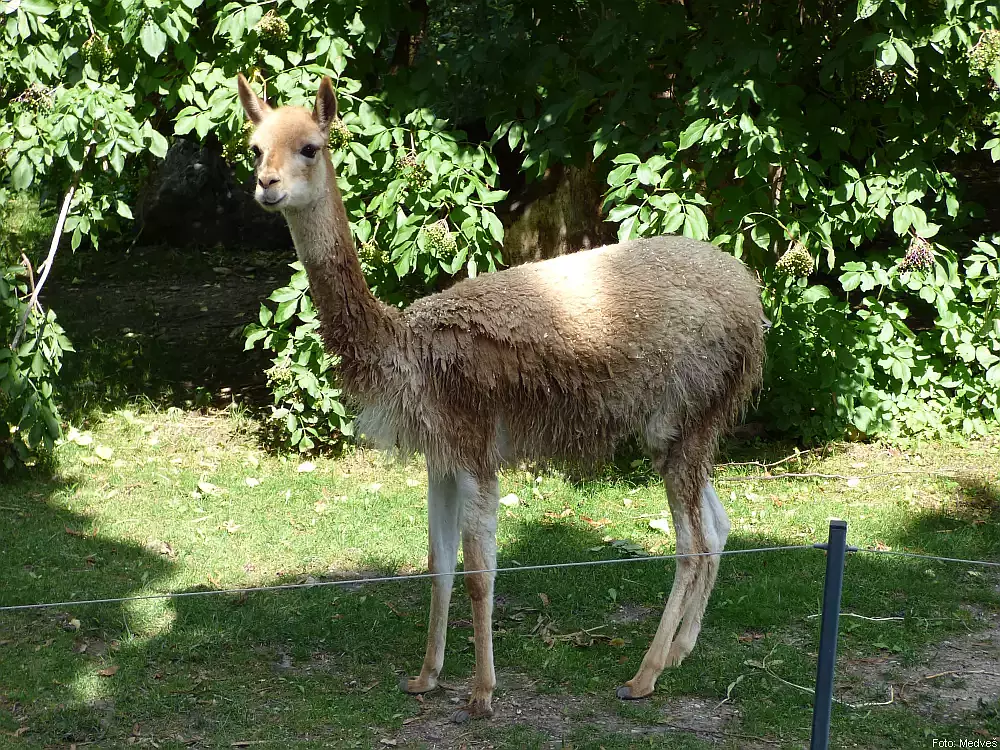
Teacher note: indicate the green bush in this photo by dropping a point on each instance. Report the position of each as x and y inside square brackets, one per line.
[307, 411]
[29, 420]
[828, 149]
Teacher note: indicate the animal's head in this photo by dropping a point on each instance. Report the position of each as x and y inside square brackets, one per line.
[289, 145]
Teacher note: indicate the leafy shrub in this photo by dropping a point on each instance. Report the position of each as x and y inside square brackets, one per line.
[307, 410]
[29, 420]
[762, 127]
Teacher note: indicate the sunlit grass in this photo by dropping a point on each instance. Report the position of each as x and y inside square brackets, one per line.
[178, 501]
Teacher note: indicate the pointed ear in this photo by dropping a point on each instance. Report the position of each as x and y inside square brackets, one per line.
[325, 110]
[253, 105]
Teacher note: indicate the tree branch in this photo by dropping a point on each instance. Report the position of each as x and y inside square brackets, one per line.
[53, 247]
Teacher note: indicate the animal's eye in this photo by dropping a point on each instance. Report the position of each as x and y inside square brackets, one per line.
[309, 151]
[255, 151]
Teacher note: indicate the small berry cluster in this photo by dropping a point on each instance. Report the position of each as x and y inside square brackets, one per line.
[279, 375]
[440, 240]
[986, 53]
[875, 84]
[413, 171]
[35, 98]
[236, 151]
[97, 53]
[340, 136]
[919, 256]
[272, 28]
[796, 261]
[371, 256]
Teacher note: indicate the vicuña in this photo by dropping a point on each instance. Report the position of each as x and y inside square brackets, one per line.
[658, 338]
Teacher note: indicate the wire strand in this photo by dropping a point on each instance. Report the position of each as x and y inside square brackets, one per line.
[929, 557]
[389, 579]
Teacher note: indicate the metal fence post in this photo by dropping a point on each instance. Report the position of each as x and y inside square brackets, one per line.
[836, 549]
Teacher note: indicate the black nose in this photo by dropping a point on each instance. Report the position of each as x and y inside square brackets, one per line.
[267, 182]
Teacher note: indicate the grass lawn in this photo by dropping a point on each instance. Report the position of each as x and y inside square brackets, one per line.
[180, 501]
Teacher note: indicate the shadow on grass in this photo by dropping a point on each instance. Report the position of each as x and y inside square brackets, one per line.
[321, 663]
[162, 326]
[50, 553]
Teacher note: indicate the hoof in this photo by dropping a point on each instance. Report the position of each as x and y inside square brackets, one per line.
[414, 687]
[471, 711]
[625, 693]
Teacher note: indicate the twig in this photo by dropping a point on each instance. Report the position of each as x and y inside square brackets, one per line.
[952, 672]
[26, 262]
[860, 617]
[791, 475]
[786, 459]
[765, 668]
[53, 247]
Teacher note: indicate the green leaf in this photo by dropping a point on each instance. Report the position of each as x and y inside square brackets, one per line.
[905, 52]
[618, 175]
[493, 225]
[153, 39]
[23, 174]
[124, 210]
[867, 8]
[888, 56]
[695, 223]
[621, 212]
[985, 357]
[692, 133]
[37, 7]
[157, 144]
[902, 219]
[966, 351]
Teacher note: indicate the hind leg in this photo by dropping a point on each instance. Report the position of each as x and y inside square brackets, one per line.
[684, 468]
[716, 525]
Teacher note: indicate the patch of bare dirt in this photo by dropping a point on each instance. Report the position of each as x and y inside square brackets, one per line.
[629, 614]
[951, 682]
[517, 703]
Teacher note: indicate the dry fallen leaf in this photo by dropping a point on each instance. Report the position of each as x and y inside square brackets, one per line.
[545, 599]
[80, 438]
[510, 500]
[660, 524]
[417, 483]
[320, 506]
[109, 672]
[208, 488]
[231, 526]
[251, 482]
[73, 624]
[306, 466]
[103, 452]
[598, 524]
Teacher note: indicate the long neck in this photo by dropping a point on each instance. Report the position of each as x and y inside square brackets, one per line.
[353, 323]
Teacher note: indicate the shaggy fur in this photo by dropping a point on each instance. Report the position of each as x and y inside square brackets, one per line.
[658, 338]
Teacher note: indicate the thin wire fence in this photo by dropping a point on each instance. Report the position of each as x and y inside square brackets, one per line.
[516, 569]
[396, 578]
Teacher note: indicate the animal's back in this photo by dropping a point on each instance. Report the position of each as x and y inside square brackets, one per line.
[570, 355]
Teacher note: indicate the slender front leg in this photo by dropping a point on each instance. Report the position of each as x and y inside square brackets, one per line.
[444, 511]
[479, 545]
